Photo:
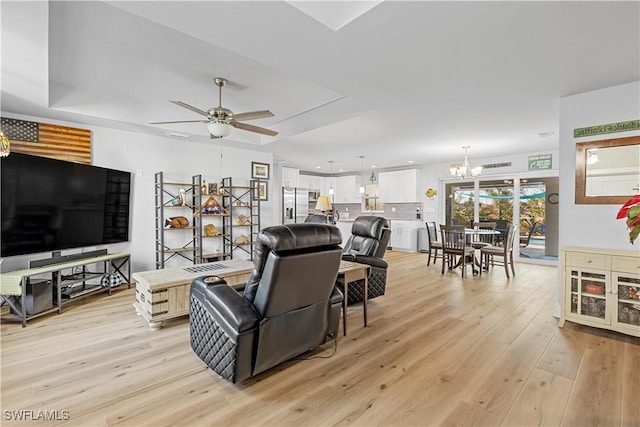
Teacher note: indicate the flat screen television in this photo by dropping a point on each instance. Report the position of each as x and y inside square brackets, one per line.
[50, 205]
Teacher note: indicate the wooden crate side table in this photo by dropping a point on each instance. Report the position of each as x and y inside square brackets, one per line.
[164, 294]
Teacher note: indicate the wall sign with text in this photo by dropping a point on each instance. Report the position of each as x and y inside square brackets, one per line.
[543, 161]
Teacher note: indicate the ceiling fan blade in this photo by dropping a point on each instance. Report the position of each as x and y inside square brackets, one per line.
[190, 107]
[179, 121]
[252, 115]
[252, 128]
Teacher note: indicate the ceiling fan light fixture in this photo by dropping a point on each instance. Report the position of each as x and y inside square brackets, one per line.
[219, 129]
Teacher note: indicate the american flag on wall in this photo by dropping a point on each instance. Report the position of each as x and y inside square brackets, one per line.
[41, 139]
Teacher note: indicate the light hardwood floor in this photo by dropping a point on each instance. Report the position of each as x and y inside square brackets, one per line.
[439, 350]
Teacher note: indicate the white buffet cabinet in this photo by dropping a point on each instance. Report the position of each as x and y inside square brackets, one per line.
[601, 288]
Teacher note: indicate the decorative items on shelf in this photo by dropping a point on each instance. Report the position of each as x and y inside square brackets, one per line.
[180, 198]
[593, 306]
[243, 220]
[177, 222]
[213, 188]
[629, 313]
[629, 292]
[205, 188]
[242, 240]
[211, 206]
[210, 230]
[593, 288]
[112, 280]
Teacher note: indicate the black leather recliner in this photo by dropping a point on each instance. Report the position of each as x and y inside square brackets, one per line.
[289, 305]
[368, 242]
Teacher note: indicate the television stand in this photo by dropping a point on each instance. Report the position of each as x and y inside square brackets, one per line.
[13, 284]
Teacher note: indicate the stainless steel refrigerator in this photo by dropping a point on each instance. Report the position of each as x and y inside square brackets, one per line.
[295, 204]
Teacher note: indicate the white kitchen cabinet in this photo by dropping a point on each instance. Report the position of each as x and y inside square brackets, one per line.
[313, 182]
[398, 186]
[347, 189]
[601, 289]
[404, 234]
[290, 177]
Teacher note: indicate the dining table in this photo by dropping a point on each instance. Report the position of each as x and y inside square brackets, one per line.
[469, 233]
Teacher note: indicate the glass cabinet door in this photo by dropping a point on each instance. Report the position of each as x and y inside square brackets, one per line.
[588, 295]
[626, 288]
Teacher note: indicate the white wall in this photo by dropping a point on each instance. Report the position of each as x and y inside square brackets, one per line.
[593, 226]
[178, 159]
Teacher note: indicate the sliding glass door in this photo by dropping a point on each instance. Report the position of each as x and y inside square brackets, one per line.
[530, 203]
[539, 218]
[493, 204]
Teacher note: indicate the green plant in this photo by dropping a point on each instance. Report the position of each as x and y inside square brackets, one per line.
[631, 211]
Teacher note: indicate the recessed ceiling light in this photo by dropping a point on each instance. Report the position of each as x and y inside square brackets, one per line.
[410, 161]
[546, 134]
[373, 166]
[317, 167]
[340, 170]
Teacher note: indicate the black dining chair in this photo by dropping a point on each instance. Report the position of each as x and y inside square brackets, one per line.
[500, 254]
[524, 240]
[502, 226]
[478, 241]
[434, 244]
[455, 251]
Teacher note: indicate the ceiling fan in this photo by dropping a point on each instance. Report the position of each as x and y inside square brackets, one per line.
[221, 121]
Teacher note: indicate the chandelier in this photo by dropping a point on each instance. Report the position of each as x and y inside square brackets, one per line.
[464, 170]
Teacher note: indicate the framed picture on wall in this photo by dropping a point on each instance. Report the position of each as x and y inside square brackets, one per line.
[259, 170]
[261, 190]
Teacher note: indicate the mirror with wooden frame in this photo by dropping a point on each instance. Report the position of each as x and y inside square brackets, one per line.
[607, 171]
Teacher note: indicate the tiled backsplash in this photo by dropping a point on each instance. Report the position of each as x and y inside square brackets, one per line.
[403, 211]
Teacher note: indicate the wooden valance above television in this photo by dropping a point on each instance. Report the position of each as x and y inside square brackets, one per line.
[45, 140]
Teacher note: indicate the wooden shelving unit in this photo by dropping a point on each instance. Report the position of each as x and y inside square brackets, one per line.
[184, 242]
[190, 243]
[241, 203]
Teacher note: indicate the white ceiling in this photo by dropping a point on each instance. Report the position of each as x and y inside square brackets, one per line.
[405, 81]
